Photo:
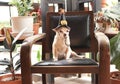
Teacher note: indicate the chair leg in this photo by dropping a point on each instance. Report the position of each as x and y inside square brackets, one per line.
[94, 78]
[44, 79]
[79, 75]
[47, 79]
[26, 78]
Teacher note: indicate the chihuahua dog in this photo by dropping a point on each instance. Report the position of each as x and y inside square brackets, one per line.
[61, 44]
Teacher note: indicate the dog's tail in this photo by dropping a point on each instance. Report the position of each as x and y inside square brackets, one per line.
[75, 55]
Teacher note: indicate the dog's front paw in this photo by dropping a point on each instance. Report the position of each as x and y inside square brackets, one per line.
[55, 59]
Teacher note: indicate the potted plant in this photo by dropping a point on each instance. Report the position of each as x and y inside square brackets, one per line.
[10, 44]
[115, 58]
[108, 3]
[36, 13]
[108, 18]
[23, 20]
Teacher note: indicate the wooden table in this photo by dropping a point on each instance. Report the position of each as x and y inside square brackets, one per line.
[19, 41]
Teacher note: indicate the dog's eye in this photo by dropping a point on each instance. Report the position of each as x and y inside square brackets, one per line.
[67, 30]
[60, 31]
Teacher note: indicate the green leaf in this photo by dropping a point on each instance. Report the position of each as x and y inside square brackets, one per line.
[18, 66]
[19, 35]
[4, 61]
[38, 55]
[23, 6]
[7, 46]
[8, 37]
[115, 50]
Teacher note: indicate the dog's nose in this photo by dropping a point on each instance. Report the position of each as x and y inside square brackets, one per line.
[64, 34]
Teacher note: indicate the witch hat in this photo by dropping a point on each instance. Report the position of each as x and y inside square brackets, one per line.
[62, 20]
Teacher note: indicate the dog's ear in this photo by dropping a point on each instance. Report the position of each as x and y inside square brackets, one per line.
[69, 28]
[54, 29]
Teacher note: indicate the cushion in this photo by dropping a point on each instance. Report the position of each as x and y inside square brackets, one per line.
[68, 62]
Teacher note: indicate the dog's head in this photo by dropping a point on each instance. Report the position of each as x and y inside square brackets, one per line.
[62, 32]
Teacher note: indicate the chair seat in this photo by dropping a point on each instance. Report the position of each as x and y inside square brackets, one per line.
[68, 62]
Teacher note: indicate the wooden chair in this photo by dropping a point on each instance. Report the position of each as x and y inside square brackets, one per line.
[83, 39]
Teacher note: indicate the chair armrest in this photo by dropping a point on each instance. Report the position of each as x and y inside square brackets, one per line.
[103, 44]
[28, 42]
[26, 47]
[104, 53]
[34, 38]
[25, 54]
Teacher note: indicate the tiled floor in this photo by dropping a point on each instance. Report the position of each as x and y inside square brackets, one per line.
[85, 79]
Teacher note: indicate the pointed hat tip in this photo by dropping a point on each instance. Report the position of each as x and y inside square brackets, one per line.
[61, 11]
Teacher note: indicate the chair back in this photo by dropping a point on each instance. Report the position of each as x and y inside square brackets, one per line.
[81, 34]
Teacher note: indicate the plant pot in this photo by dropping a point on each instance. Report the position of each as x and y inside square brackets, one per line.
[104, 3]
[8, 76]
[115, 77]
[36, 28]
[102, 27]
[20, 22]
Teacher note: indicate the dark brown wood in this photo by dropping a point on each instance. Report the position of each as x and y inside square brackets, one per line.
[26, 60]
[64, 69]
[104, 64]
[99, 42]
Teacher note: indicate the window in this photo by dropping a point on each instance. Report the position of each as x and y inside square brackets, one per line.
[6, 12]
[5, 16]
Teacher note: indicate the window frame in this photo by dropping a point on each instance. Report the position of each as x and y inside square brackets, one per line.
[6, 4]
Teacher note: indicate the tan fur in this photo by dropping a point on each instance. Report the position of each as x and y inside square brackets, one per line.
[61, 44]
